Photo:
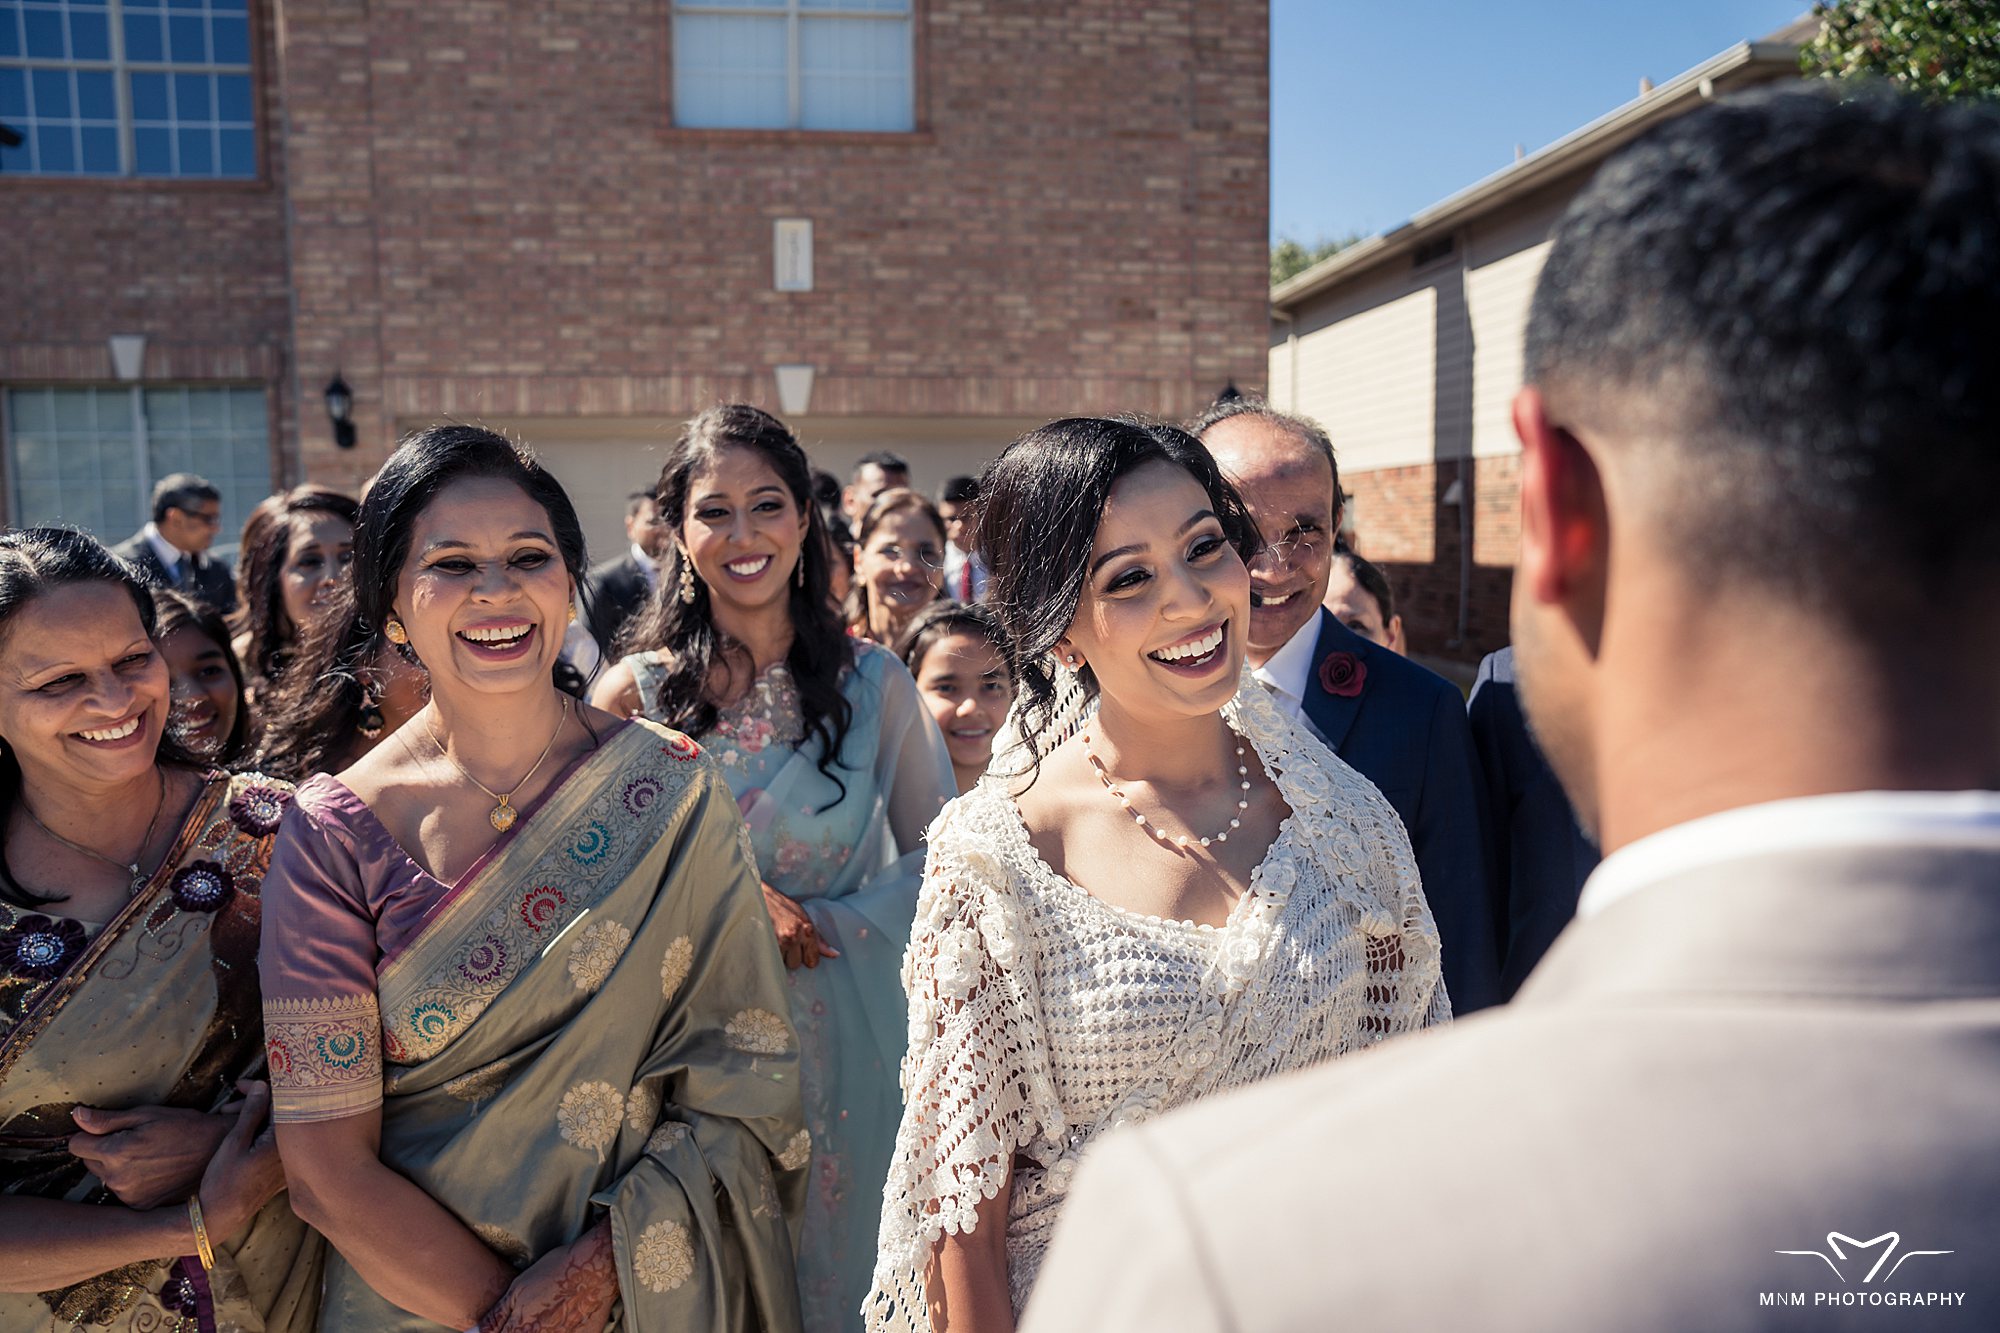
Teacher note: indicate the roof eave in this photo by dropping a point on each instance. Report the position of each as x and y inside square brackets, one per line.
[1578, 149]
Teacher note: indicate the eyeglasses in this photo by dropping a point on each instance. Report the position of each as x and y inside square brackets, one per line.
[208, 519]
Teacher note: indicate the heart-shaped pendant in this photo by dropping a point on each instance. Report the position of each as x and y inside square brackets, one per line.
[502, 816]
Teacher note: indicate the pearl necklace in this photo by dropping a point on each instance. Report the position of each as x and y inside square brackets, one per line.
[1180, 840]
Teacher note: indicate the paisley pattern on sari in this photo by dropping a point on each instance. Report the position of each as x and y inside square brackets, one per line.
[518, 1033]
[172, 975]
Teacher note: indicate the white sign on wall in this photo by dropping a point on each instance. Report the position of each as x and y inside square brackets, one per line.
[792, 254]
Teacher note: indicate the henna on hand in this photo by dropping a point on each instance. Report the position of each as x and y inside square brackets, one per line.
[572, 1297]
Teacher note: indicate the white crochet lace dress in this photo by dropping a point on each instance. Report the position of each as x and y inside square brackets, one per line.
[1041, 1017]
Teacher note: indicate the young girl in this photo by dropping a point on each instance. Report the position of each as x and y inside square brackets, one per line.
[958, 655]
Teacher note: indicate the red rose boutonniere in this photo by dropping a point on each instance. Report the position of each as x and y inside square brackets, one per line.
[1343, 674]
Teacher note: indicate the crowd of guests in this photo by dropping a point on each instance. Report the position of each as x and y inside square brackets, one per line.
[420, 927]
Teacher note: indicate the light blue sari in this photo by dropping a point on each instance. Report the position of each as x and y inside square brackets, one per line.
[855, 863]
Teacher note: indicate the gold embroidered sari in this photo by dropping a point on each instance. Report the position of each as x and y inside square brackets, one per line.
[171, 984]
[590, 1022]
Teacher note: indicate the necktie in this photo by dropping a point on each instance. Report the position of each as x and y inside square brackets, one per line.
[185, 579]
[965, 580]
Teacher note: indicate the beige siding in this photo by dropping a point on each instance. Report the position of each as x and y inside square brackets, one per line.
[1505, 258]
[1364, 372]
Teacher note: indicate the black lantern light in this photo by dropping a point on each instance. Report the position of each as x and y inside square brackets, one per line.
[340, 411]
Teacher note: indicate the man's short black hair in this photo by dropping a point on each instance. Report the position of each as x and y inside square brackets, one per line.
[882, 458]
[1791, 299]
[182, 491]
[635, 502]
[959, 491]
[1234, 403]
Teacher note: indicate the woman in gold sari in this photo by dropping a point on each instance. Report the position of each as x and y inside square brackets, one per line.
[525, 1016]
[134, 1193]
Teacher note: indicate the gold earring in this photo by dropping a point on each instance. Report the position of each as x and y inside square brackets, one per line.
[394, 632]
[572, 613]
[687, 581]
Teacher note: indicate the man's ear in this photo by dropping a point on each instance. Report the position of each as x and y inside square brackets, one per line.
[1564, 522]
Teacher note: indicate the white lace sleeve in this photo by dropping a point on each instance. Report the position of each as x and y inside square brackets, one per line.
[976, 1086]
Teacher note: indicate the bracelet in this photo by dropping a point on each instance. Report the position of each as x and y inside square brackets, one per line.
[203, 1250]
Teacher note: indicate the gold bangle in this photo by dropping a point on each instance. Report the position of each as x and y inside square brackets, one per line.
[203, 1250]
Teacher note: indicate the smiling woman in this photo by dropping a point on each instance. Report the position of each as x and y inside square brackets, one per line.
[838, 772]
[129, 900]
[1148, 813]
[472, 1031]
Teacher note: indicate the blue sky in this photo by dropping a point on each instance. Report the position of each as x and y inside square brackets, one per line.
[1380, 107]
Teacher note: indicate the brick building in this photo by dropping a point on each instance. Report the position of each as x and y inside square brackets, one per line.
[1407, 347]
[583, 220]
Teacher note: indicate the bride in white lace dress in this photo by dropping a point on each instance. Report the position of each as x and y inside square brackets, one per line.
[1163, 889]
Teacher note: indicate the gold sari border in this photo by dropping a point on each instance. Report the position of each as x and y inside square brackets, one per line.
[325, 1056]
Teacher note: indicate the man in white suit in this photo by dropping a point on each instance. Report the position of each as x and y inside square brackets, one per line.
[1757, 622]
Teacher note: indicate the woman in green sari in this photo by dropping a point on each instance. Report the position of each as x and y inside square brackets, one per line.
[526, 1025]
[134, 1193]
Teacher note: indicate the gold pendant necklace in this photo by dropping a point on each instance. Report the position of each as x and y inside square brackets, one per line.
[503, 815]
[146, 840]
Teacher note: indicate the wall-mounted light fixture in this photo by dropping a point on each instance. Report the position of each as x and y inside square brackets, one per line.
[340, 411]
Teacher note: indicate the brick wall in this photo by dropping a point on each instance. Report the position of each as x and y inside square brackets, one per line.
[492, 216]
[196, 266]
[1403, 524]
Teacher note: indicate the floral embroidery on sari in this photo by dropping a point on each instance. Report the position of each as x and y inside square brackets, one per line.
[589, 1116]
[664, 1258]
[325, 1054]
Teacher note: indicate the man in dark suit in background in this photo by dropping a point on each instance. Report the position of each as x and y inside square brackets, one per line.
[876, 472]
[170, 551]
[1541, 855]
[1400, 726]
[614, 590]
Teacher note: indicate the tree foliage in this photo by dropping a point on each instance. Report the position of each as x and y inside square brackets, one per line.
[1289, 258]
[1939, 48]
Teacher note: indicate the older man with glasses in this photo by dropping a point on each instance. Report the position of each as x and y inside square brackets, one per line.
[1398, 725]
[170, 551]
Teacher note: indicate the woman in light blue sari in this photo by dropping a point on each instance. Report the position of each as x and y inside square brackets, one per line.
[838, 770]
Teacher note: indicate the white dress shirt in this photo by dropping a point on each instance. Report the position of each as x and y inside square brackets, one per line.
[170, 556]
[1845, 819]
[647, 565]
[1286, 672]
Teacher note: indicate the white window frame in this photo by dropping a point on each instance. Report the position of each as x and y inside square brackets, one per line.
[792, 11]
[121, 71]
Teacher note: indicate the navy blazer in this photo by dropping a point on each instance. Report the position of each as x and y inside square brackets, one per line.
[1406, 733]
[1540, 856]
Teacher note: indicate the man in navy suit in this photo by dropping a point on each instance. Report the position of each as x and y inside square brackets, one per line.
[1540, 854]
[1400, 726]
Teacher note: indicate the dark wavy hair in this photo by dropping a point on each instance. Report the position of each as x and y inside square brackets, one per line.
[33, 563]
[267, 544]
[1036, 518]
[895, 500]
[175, 613]
[318, 706]
[685, 632]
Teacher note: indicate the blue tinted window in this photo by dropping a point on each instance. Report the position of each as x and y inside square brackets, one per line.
[239, 153]
[197, 153]
[191, 100]
[187, 40]
[57, 149]
[51, 93]
[89, 37]
[100, 150]
[45, 34]
[96, 99]
[188, 85]
[232, 41]
[149, 97]
[143, 40]
[232, 97]
[153, 151]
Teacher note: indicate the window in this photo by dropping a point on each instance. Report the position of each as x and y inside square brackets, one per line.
[89, 457]
[127, 88]
[794, 64]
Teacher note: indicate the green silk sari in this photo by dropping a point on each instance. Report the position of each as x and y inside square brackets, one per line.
[157, 1008]
[591, 1023]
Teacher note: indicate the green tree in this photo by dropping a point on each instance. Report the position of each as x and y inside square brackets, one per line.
[1289, 258]
[1940, 48]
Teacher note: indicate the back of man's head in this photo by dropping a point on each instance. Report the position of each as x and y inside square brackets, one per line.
[1789, 304]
